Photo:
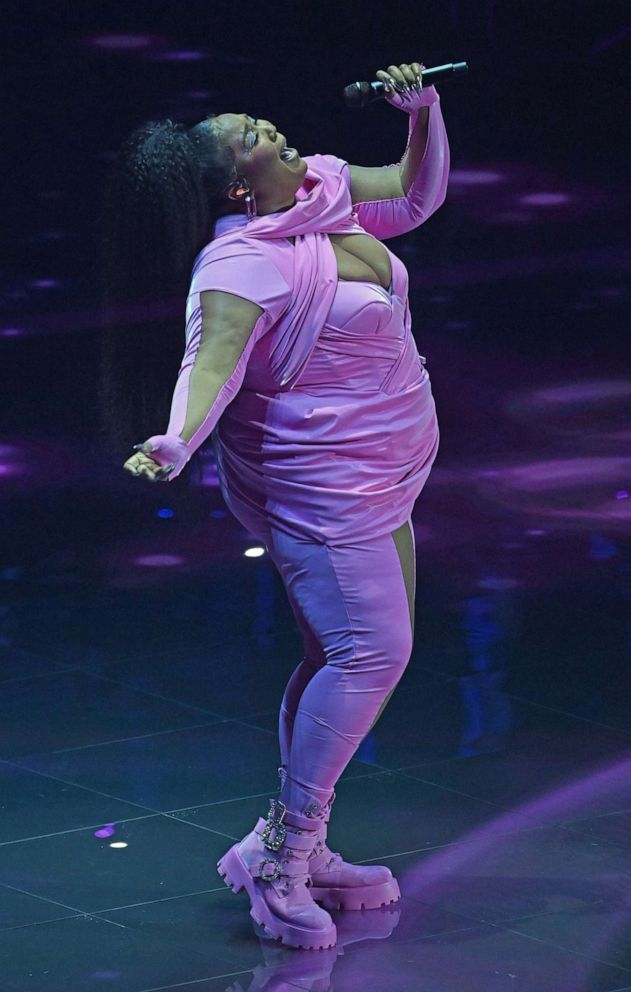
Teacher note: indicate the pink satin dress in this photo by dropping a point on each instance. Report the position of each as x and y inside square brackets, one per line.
[327, 427]
[344, 454]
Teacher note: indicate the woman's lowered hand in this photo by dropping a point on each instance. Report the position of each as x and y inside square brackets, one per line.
[160, 458]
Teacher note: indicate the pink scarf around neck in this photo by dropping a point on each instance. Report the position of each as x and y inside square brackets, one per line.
[323, 206]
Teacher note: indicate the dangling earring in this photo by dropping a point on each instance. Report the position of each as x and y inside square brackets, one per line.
[250, 205]
[250, 201]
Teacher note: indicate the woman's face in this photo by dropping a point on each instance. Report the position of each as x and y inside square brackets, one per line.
[273, 170]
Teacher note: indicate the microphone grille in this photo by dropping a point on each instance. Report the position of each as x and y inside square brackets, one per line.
[357, 94]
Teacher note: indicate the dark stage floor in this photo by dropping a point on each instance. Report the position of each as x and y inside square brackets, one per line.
[143, 661]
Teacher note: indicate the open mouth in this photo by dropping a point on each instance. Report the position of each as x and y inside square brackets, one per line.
[288, 154]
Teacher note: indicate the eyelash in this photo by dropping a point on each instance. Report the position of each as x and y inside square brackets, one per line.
[250, 145]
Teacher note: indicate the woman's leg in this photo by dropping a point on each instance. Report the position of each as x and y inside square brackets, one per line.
[357, 601]
[314, 657]
[403, 538]
[356, 604]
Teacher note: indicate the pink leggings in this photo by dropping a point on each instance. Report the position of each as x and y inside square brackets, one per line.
[354, 604]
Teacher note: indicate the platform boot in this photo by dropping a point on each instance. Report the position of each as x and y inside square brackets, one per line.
[271, 864]
[338, 884]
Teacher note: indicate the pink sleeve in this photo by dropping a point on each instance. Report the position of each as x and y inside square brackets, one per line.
[243, 269]
[242, 266]
[388, 218]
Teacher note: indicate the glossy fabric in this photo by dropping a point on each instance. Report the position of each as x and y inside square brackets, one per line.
[351, 604]
[327, 427]
[344, 454]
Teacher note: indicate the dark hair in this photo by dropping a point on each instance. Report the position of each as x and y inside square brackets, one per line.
[162, 198]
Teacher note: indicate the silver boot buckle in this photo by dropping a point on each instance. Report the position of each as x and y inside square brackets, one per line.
[275, 826]
[272, 876]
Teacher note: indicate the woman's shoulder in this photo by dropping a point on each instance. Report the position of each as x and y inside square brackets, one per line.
[326, 161]
[237, 245]
[242, 265]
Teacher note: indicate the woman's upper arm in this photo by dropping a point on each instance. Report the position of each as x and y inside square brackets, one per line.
[370, 184]
[364, 184]
[227, 323]
[241, 295]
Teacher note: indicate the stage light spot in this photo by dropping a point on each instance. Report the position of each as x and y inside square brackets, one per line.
[11, 332]
[7, 470]
[544, 199]
[125, 42]
[254, 552]
[159, 561]
[165, 513]
[181, 55]
[105, 831]
[622, 494]
[474, 177]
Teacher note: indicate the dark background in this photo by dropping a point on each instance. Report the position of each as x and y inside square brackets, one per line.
[548, 85]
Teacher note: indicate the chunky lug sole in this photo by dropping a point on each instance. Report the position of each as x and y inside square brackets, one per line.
[357, 897]
[235, 874]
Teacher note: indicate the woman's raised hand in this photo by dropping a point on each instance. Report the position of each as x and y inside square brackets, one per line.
[404, 80]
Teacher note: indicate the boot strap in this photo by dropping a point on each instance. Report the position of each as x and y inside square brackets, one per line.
[325, 860]
[271, 869]
[274, 839]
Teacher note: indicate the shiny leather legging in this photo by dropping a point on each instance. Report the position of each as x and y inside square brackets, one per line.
[354, 604]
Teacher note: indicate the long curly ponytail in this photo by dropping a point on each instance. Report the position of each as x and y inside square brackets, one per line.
[159, 208]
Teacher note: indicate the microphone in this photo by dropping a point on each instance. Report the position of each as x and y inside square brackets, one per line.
[361, 94]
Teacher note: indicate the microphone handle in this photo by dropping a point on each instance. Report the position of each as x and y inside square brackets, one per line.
[362, 93]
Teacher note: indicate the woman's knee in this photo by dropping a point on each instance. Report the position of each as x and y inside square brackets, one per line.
[385, 654]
